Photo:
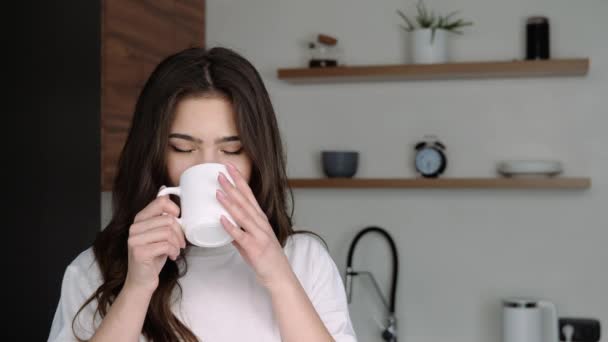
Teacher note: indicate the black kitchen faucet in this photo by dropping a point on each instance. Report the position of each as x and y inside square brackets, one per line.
[390, 331]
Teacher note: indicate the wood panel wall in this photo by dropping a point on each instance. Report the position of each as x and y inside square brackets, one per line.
[135, 36]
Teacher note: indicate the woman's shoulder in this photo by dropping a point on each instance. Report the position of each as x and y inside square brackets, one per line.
[314, 266]
[307, 252]
[84, 261]
[80, 280]
[305, 242]
[84, 267]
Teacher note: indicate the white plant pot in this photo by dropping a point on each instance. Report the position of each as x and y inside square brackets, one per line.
[426, 49]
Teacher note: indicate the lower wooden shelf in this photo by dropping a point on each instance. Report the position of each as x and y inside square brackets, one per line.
[444, 183]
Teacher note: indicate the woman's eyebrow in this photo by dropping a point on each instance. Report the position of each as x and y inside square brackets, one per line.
[185, 137]
[200, 141]
[227, 139]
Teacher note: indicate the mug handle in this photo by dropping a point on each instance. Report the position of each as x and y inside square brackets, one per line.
[171, 191]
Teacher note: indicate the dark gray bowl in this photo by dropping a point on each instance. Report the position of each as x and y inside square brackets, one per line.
[340, 163]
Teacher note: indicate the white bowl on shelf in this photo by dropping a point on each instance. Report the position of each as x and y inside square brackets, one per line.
[512, 168]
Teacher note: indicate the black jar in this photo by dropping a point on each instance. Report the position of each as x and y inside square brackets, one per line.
[537, 38]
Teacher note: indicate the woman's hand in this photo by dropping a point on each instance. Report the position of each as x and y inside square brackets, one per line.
[255, 239]
[154, 235]
[259, 246]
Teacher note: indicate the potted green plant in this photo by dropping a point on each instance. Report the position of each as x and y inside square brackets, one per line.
[429, 33]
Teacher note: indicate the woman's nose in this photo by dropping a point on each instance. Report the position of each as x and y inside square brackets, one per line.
[208, 156]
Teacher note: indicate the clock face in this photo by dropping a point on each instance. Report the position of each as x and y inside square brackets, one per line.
[428, 161]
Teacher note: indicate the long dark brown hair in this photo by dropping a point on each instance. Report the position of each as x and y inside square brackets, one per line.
[142, 169]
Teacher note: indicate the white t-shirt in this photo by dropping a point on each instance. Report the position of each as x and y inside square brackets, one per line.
[221, 299]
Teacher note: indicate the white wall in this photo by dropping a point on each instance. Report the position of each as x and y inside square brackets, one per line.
[461, 251]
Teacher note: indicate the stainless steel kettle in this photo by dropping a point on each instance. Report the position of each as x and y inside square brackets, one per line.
[529, 320]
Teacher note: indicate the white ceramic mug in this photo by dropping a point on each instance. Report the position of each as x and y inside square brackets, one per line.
[200, 209]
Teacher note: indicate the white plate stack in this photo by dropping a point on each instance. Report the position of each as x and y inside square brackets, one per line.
[514, 168]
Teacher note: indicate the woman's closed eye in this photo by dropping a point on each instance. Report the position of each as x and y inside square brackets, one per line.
[231, 151]
[177, 149]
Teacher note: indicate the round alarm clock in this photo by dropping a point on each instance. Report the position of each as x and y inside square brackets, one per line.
[430, 160]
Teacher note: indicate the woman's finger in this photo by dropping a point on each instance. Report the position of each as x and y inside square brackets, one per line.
[240, 216]
[162, 248]
[177, 227]
[239, 248]
[159, 234]
[243, 187]
[240, 206]
[150, 223]
[240, 236]
[179, 232]
[159, 205]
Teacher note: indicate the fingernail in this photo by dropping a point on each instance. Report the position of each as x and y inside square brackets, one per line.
[220, 194]
[230, 166]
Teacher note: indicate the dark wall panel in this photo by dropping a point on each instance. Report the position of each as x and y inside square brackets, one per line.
[64, 86]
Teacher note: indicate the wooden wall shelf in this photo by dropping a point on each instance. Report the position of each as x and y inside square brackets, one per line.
[443, 183]
[467, 70]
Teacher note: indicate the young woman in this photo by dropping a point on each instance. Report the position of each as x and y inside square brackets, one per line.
[141, 280]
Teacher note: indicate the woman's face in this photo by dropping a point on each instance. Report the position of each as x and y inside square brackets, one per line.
[204, 131]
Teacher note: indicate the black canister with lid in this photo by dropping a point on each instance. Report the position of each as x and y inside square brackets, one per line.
[537, 38]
